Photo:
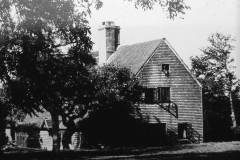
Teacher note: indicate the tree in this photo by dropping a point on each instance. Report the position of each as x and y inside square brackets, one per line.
[9, 115]
[115, 95]
[236, 103]
[172, 7]
[37, 73]
[214, 70]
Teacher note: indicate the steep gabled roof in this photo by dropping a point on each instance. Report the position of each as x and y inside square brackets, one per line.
[137, 55]
[36, 119]
[48, 124]
[43, 120]
[134, 56]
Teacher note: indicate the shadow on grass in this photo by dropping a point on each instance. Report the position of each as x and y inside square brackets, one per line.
[119, 153]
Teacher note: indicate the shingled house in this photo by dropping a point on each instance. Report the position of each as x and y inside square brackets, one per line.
[44, 122]
[173, 96]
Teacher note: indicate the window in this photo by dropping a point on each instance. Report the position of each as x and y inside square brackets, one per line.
[150, 95]
[156, 95]
[164, 94]
[165, 67]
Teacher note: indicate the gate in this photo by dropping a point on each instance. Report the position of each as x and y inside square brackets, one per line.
[22, 139]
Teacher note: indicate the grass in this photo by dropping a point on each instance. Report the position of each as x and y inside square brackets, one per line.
[224, 150]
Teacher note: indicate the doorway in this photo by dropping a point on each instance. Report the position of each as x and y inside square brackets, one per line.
[182, 130]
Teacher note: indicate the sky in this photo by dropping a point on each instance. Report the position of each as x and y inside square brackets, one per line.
[187, 36]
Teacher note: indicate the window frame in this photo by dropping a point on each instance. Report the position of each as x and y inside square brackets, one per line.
[167, 70]
[156, 95]
[168, 67]
[161, 95]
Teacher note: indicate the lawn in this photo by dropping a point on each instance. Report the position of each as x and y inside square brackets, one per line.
[224, 150]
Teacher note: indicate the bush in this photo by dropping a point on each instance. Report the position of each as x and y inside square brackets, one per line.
[236, 133]
[3, 139]
[219, 134]
[116, 129]
[3, 124]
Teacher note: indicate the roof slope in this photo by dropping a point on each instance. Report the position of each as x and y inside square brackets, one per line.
[134, 56]
[36, 119]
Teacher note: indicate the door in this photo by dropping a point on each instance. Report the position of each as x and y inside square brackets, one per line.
[182, 130]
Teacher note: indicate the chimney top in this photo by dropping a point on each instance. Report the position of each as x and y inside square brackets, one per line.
[108, 23]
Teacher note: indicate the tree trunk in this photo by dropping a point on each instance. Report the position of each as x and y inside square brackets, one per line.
[67, 136]
[55, 132]
[232, 109]
[71, 129]
[12, 131]
[230, 79]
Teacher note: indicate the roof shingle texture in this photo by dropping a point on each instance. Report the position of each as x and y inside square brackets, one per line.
[134, 56]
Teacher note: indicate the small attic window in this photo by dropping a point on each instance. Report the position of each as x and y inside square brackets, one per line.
[165, 67]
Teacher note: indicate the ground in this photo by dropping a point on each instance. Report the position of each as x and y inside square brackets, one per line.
[224, 150]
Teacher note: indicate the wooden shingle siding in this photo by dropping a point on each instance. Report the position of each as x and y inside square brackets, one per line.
[46, 140]
[185, 90]
[76, 140]
[8, 133]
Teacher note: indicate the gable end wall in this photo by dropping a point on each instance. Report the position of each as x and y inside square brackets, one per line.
[186, 92]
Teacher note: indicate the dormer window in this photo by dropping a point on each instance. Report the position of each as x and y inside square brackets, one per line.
[165, 69]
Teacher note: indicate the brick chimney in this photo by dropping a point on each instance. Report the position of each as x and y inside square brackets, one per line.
[109, 39]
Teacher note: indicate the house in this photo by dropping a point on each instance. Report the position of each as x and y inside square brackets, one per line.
[44, 122]
[173, 96]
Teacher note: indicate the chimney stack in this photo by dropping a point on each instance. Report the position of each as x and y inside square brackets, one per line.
[109, 39]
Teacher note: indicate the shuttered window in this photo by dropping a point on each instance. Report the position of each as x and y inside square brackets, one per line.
[156, 95]
[149, 95]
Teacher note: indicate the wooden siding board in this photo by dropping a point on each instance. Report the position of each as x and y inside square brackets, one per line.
[185, 91]
[46, 140]
[8, 133]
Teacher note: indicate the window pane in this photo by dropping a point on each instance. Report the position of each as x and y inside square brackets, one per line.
[165, 94]
[159, 95]
[155, 95]
[165, 67]
[151, 95]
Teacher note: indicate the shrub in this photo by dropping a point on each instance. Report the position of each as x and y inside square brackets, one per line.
[236, 133]
[3, 124]
[3, 139]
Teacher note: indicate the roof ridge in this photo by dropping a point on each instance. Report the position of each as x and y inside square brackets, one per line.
[143, 42]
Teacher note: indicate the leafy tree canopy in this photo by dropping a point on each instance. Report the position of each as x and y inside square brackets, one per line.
[171, 7]
[36, 71]
[115, 95]
[215, 72]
